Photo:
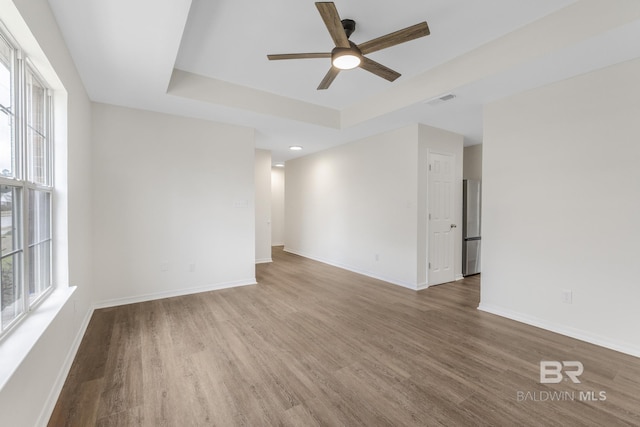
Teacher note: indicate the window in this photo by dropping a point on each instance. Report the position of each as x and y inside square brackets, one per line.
[26, 189]
[7, 108]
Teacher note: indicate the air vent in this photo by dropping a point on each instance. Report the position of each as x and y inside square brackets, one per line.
[440, 99]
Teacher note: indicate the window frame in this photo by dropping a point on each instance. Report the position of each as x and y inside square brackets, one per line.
[16, 161]
[21, 178]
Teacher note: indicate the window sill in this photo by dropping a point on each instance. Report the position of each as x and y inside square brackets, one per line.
[15, 347]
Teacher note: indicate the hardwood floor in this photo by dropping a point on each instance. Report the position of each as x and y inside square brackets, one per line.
[316, 345]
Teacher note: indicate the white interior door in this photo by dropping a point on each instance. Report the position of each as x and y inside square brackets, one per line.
[441, 218]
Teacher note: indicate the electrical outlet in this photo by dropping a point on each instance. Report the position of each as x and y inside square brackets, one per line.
[164, 266]
[567, 296]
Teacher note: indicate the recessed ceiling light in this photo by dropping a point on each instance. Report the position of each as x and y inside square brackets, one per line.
[279, 165]
[295, 148]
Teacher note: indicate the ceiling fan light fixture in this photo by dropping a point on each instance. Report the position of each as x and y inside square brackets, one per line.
[345, 58]
[346, 54]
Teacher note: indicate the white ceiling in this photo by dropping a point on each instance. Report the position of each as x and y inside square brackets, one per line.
[207, 59]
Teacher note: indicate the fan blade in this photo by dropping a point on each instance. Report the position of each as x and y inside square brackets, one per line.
[328, 78]
[401, 36]
[379, 69]
[332, 20]
[298, 56]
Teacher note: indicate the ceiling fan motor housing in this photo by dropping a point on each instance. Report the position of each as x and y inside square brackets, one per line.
[349, 26]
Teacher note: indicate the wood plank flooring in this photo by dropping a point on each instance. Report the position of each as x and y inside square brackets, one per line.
[314, 345]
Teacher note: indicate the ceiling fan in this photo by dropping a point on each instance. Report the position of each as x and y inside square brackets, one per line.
[347, 55]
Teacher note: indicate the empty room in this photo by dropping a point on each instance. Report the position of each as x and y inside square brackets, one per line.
[299, 213]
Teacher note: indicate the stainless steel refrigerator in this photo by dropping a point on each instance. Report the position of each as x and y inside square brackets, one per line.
[471, 204]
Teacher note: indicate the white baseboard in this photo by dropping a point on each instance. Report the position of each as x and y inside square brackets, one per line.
[581, 335]
[264, 261]
[355, 270]
[47, 409]
[459, 277]
[174, 293]
[422, 286]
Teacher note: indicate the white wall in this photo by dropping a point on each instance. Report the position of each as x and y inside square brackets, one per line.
[277, 206]
[348, 204]
[27, 398]
[263, 205]
[170, 193]
[561, 204]
[363, 206]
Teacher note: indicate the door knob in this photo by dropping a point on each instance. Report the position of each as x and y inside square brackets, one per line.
[453, 226]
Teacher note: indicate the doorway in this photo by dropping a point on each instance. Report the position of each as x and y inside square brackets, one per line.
[442, 224]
